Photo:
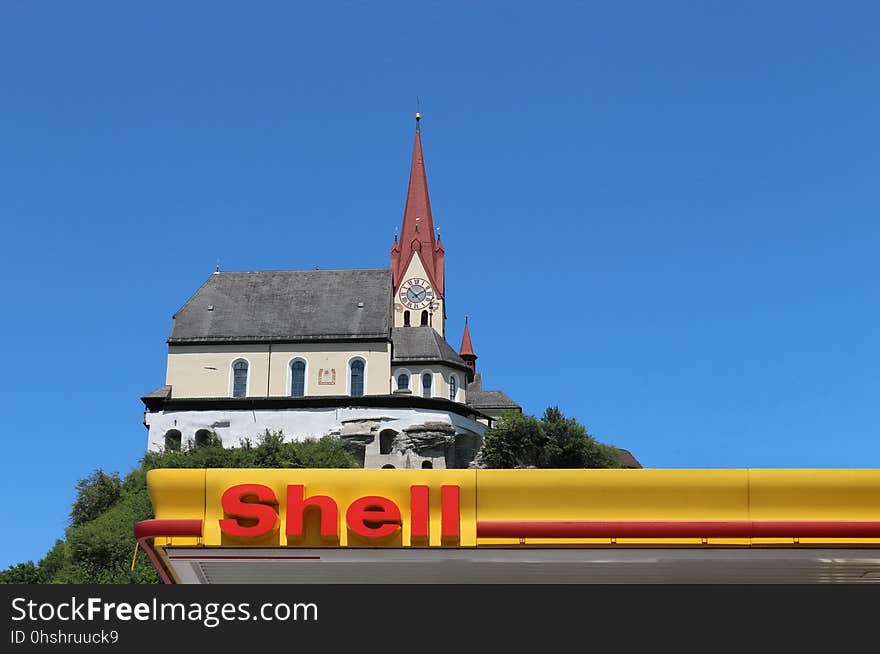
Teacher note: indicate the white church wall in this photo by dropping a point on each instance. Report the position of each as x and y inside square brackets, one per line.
[233, 426]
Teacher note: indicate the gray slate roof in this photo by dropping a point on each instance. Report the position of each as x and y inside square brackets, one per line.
[287, 305]
[422, 344]
[490, 400]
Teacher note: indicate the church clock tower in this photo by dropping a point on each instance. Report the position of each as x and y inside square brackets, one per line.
[417, 259]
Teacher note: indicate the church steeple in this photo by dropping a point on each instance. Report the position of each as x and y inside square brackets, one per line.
[417, 232]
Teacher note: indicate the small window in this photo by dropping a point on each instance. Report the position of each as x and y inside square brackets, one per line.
[427, 465]
[427, 382]
[357, 378]
[386, 440]
[239, 378]
[403, 382]
[406, 318]
[424, 317]
[453, 387]
[172, 440]
[298, 378]
[388, 466]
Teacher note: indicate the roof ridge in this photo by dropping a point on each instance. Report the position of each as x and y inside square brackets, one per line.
[275, 270]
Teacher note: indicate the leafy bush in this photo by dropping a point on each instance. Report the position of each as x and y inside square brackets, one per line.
[522, 441]
[94, 495]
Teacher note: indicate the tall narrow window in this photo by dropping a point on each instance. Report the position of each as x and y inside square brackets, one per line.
[453, 387]
[427, 381]
[298, 378]
[357, 378]
[403, 382]
[239, 378]
[424, 317]
[386, 440]
[406, 318]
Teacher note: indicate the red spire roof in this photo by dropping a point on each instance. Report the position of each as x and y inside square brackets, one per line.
[467, 348]
[417, 232]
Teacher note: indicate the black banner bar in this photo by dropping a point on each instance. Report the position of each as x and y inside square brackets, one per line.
[462, 618]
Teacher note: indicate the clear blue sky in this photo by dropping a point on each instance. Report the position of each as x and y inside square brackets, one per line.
[663, 217]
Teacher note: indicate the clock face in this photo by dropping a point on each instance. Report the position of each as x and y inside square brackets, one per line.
[416, 293]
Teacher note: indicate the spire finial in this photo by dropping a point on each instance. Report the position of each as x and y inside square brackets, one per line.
[217, 267]
[418, 113]
[395, 234]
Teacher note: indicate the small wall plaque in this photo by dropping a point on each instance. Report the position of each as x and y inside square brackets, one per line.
[326, 376]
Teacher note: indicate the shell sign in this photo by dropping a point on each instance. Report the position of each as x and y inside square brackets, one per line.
[308, 508]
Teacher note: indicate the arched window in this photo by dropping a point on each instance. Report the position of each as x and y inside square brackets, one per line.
[406, 318]
[453, 387]
[403, 382]
[356, 368]
[427, 465]
[424, 317]
[205, 437]
[173, 440]
[298, 378]
[427, 382]
[388, 466]
[239, 378]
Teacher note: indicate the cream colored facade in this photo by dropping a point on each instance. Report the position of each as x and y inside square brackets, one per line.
[436, 313]
[205, 371]
[441, 377]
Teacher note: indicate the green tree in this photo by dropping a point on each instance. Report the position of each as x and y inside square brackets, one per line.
[22, 573]
[99, 543]
[94, 495]
[522, 441]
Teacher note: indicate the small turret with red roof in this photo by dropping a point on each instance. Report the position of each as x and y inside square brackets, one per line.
[466, 351]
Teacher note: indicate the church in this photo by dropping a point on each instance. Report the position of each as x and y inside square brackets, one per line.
[358, 353]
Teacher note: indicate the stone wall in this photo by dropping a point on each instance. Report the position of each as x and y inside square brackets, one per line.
[378, 437]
